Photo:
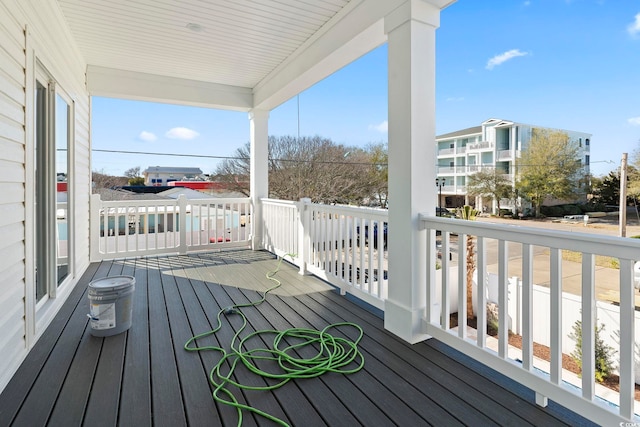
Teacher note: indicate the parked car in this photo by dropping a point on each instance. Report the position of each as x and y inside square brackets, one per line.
[375, 235]
[444, 212]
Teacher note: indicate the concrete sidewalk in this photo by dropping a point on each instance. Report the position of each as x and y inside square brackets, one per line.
[607, 279]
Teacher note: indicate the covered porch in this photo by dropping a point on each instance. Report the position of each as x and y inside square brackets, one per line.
[54, 372]
[145, 377]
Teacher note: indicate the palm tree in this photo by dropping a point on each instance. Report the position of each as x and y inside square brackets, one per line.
[469, 213]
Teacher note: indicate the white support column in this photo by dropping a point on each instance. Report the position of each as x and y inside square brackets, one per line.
[412, 159]
[259, 169]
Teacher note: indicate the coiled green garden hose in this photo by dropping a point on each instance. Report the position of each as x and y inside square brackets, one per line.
[332, 354]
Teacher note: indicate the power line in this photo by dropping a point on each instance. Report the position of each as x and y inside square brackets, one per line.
[337, 162]
[165, 154]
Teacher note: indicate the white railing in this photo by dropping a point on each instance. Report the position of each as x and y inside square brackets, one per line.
[461, 169]
[505, 154]
[446, 151]
[347, 247]
[126, 228]
[343, 245]
[547, 382]
[482, 145]
[281, 227]
[478, 168]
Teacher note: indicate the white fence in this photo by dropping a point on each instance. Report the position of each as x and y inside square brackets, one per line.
[126, 228]
[344, 245]
[531, 318]
[608, 314]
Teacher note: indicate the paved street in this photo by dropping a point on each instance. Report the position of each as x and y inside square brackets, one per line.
[607, 279]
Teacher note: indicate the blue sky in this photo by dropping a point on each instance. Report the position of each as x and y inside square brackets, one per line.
[567, 64]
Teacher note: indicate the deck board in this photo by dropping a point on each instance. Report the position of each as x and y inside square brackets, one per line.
[166, 392]
[104, 399]
[144, 376]
[135, 403]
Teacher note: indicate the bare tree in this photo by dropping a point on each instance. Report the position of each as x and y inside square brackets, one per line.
[102, 180]
[132, 172]
[234, 173]
[379, 173]
[311, 167]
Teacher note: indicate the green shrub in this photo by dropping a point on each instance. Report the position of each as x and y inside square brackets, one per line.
[552, 210]
[572, 210]
[592, 206]
[604, 352]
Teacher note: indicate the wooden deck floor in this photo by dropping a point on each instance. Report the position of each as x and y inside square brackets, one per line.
[144, 376]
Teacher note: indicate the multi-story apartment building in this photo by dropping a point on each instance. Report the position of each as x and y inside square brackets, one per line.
[495, 144]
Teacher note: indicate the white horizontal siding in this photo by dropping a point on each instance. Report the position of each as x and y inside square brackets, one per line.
[82, 182]
[12, 209]
[12, 107]
[12, 333]
[11, 304]
[50, 42]
[10, 171]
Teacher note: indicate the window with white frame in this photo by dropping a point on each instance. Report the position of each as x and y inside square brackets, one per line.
[53, 185]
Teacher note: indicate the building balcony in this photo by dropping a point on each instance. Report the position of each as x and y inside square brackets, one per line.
[446, 151]
[450, 152]
[450, 170]
[199, 263]
[482, 145]
[504, 155]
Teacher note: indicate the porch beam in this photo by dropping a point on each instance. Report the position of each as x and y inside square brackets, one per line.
[411, 64]
[113, 83]
[259, 171]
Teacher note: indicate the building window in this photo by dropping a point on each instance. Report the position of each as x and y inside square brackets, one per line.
[586, 142]
[53, 195]
[586, 160]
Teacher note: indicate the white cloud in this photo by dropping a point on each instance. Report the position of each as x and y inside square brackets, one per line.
[503, 57]
[181, 133]
[526, 3]
[634, 121]
[147, 136]
[380, 127]
[455, 99]
[634, 28]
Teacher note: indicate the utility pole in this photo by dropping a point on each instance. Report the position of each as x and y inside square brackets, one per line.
[623, 196]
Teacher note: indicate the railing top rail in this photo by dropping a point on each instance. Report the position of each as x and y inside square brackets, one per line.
[353, 210]
[619, 247]
[342, 209]
[170, 202]
[278, 202]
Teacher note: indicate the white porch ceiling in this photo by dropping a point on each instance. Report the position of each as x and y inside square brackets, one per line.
[236, 54]
[234, 42]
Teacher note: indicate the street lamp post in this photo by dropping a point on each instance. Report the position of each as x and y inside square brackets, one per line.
[440, 183]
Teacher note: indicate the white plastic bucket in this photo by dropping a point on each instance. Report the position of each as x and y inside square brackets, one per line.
[111, 305]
